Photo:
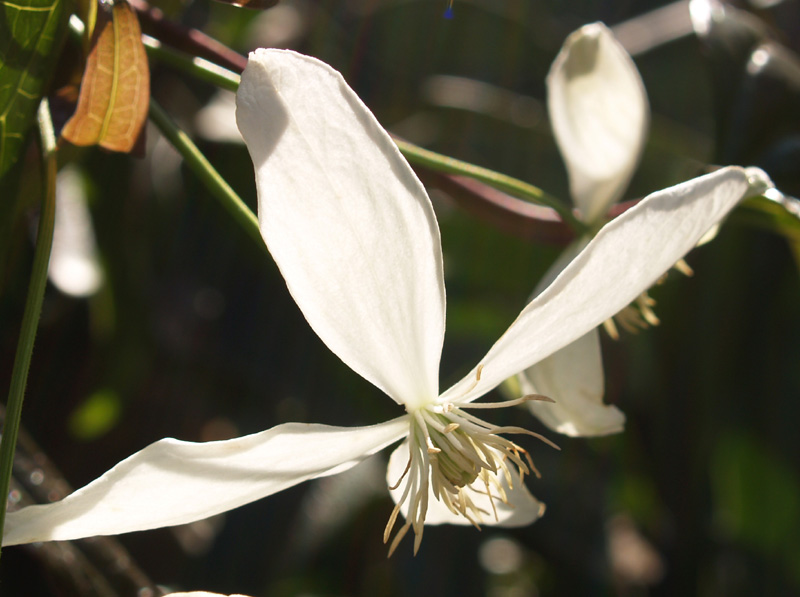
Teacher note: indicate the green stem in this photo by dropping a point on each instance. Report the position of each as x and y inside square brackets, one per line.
[206, 172]
[33, 307]
[503, 182]
[198, 67]
[216, 75]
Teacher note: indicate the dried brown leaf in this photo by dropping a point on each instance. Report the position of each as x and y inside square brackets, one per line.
[115, 91]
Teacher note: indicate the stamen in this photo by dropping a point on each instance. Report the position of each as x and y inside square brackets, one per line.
[639, 314]
[456, 456]
[428, 442]
[611, 328]
[524, 431]
[646, 304]
[390, 524]
[398, 538]
[405, 472]
[684, 268]
[477, 379]
[507, 403]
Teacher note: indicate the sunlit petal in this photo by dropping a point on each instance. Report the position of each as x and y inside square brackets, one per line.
[74, 266]
[519, 509]
[173, 482]
[347, 221]
[573, 378]
[599, 113]
[625, 258]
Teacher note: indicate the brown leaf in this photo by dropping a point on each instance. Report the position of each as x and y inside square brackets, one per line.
[115, 92]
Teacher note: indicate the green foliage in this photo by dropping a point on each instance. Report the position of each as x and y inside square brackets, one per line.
[31, 32]
[96, 416]
[782, 219]
[755, 493]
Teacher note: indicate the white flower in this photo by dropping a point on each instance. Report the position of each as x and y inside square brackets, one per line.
[356, 239]
[599, 113]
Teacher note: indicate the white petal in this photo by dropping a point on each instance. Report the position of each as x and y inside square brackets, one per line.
[599, 112]
[347, 221]
[74, 266]
[522, 508]
[563, 260]
[173, 482]
[704, 13]
[573, 377]
[625, 258]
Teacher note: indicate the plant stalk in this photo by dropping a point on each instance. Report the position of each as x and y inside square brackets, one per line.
[33, 306]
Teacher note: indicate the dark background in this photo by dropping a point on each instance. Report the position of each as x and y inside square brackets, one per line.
[194, 335]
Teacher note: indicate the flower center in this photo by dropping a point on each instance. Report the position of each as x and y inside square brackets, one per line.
[458, 458]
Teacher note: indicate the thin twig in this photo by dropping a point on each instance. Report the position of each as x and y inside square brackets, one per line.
[203, 169]
[192, 41]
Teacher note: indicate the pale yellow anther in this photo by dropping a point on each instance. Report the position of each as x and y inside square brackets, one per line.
[684, 268]
[454, 457]
[611, 329]
[431, 448]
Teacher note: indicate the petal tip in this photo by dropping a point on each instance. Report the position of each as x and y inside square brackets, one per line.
[758, 180]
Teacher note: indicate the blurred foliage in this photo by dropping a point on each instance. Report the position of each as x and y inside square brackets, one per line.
[195, 336]
[98, 414]
[30, 35]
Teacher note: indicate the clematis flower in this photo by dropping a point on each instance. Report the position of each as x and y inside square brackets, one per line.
[599, 113]
[356, 239]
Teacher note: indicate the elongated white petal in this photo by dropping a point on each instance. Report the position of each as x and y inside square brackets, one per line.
[599, 112]
[172, 482]
[563, 260]
[74, 266]
[347, 221]
[573, 377]
[625, 258]
[520, 508]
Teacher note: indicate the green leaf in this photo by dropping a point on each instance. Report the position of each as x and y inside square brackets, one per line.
[31, 32]
[780, 216]
[755, 493]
